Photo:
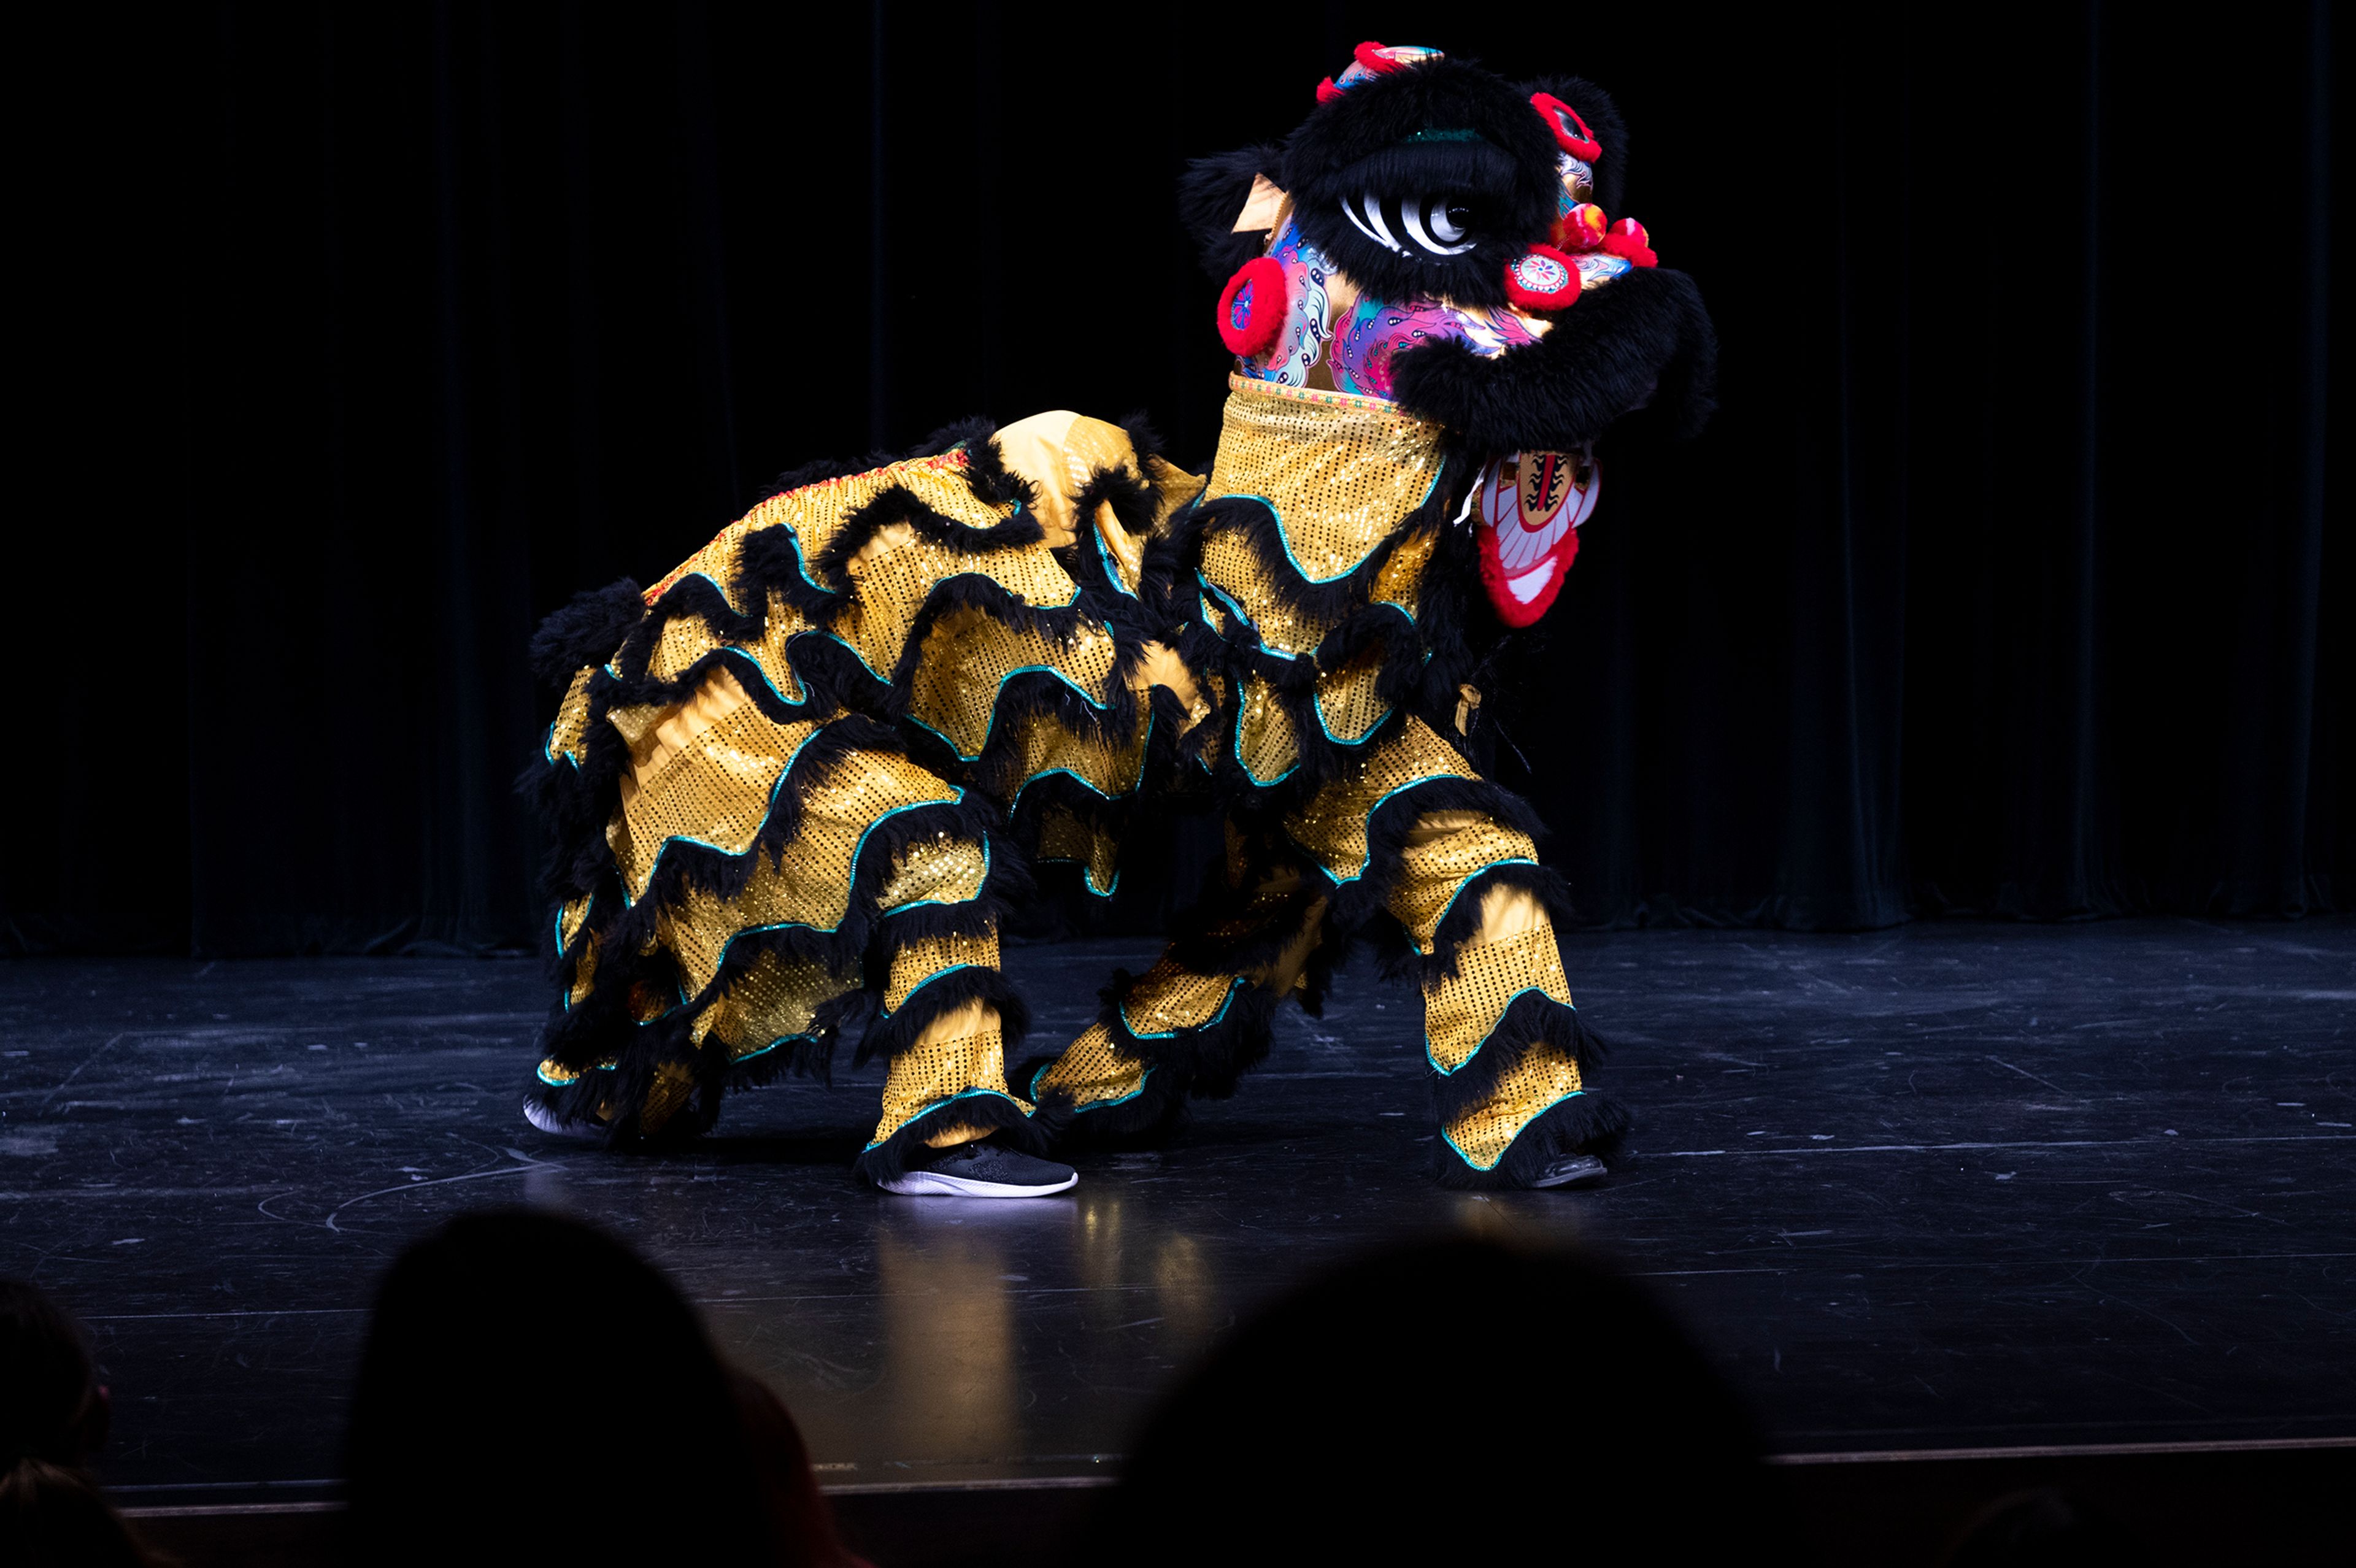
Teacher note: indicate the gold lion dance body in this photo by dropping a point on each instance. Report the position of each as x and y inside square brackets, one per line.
[800, 781]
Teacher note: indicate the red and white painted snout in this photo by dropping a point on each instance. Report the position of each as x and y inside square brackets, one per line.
[1530, 507]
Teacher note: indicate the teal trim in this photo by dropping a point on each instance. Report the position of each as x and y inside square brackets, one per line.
[548, 749]
[1025, 669]
[1016, 804]
[1517, 995]
[1087, 872]
[857, 851]
[1235, 744]
[541, 1073]
[1212, 1022]
[1287, 543]
[1469, 881]
[1345, 881]
[936, 1104]
[1493, 1165]
[1112, 573]
[783, 775]
[922, 983]
[769, 1048]
[1101, 1105]
[919, 903]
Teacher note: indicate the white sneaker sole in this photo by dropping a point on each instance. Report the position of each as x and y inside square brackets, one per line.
[540, 1117]
[933, 1184]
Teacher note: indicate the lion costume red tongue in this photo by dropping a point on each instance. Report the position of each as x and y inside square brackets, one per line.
[1530, 508]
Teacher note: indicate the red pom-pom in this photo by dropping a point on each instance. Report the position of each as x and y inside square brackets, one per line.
[1326, 92]
[1627, 238]
[1542, 278]
[1251, 309]
[1571, 133]
[1580, 228]
[1370, 54]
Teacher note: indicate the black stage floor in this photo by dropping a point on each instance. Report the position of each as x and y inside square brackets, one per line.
[1961, 1186]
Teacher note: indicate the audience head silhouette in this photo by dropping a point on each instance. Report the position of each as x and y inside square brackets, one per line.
[1455, 1400]
[53, 1417]
[533, 1392]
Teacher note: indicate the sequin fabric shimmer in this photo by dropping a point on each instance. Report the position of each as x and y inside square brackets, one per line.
[1332, 824]
[929, 957]
[1340, 476]
[932, 1073]
[1091, 1074]
[566, 735]
[809, 883]
[1063, 836]
[1541, 1080]
[1167, 998]
[773, 1001]
[1432, 872]
[941, 870]
[1268, 747]
[715, 791]
[1461, 1012]
[967, 658]
[1348, 703]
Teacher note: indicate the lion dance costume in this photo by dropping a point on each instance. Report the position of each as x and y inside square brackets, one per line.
[798, 782]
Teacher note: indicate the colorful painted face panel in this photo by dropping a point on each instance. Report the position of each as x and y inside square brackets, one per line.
[1530, 507]
[1301, 342]
[1376, 330]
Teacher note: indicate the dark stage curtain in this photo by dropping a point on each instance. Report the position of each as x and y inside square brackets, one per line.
[362, 338]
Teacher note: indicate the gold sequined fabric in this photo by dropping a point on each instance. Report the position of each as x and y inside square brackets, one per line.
[1091, 1074]
[1347, 702]
[940, 869]
[1461, 1012]
[1230, 566]
[1400, 580]
[968, 656]
[584, 973]
[716, 790]
[571, 725]
[1111, 767]
[1063, 836]
[1544, 1078]
[569, 920]
[816, 513]
[673, 1082]
[891, 588]
[773, 1000]
[1266, 744]
[1433, 869]
[933, 1073]
[809, 883]
[926, 957]
[687, 638]
[1167, 998]
[1332, 824]
[1339, 476]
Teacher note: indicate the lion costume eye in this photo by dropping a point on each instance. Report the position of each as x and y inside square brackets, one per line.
[1433, 226]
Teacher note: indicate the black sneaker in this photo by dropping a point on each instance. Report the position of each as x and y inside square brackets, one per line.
[980, 1170]
[1572, 1170]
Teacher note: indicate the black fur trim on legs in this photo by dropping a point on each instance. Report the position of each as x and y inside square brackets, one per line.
[1146, 1119]
[889, 1034]
[1531, 1018]
[1587, 1123]
[1004, 1119]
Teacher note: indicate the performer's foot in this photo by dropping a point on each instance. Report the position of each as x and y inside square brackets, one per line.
[979, 1170]
[583, 1128]
[1572, 1170]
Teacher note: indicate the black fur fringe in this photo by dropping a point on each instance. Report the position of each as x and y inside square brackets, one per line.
[890, 1159]
[1587, 1123]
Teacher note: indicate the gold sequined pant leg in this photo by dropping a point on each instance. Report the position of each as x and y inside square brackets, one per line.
[1511, 952]
[958, 1058]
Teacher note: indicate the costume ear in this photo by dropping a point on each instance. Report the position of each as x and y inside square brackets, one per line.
[1603, 117]
[1211, 193]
